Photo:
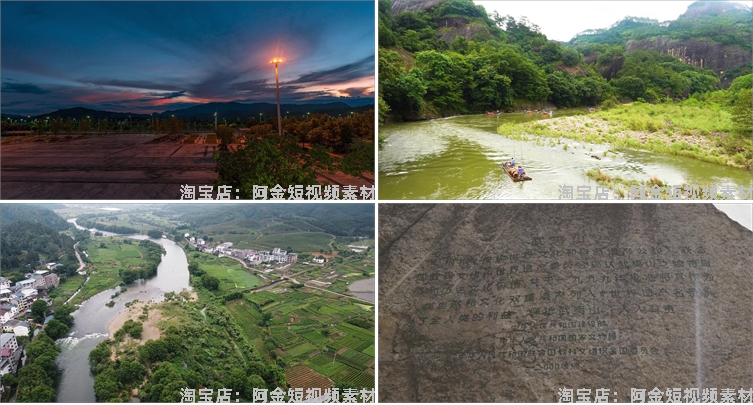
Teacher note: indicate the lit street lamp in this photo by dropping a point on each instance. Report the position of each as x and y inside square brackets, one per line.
[277, 83]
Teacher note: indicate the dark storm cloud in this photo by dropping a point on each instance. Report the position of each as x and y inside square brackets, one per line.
[26, 88]
[255, 86]
[171, 95]
[350, 71]
[134, 84]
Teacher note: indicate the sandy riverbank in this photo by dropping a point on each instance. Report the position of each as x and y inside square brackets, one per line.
[151, 332]
[634, 128]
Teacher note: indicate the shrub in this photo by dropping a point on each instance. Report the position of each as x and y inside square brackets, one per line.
[608, 104]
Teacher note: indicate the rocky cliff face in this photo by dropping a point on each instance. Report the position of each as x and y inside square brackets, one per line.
[449, 28]
[609, 71]
[398, 6]
[696, 52]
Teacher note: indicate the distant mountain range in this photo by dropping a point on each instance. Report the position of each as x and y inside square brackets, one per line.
[224, 110]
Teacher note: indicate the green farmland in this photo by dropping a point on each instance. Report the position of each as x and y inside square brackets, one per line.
[309, 327]
[232, 274]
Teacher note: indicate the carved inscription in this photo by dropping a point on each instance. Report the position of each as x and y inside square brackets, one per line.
[557, 300]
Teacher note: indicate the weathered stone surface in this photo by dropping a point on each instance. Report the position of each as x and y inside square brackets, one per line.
[398, 6]
[696, 52]
[510, 302]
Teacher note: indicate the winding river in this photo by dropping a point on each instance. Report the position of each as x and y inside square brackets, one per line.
[92, 318]
[459, 158]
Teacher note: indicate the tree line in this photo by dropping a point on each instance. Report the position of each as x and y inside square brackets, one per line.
[39, 378]
[119, 229]
[152, 256]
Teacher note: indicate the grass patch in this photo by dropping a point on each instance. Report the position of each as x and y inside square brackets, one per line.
[299, 241]
[300, 349]
[325, 365]
[710, 123]
[247, 318]
[653, 188]
[108, 256]
[232, 274]
[64, 291]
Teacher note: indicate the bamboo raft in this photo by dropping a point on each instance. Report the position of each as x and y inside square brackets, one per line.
[508, 169]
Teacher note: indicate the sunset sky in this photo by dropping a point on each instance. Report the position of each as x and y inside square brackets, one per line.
[144, 57]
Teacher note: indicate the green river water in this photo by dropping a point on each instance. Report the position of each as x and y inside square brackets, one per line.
[459, 158]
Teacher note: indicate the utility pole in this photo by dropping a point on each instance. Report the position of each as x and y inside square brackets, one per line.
[277, 83]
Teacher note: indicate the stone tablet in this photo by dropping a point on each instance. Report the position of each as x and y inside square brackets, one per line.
[513, 302]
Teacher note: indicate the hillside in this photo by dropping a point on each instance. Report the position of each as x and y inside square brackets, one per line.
[206, 111]
[24, 243]
[441, 58]
[10, 213]
[340, 220]
[711, 35]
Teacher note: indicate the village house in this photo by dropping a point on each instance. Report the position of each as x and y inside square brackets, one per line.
[263, 256]
[292, 257]
[23, 299]
[8, 341]
[51, 266]
[6, 362]
[253, 259]
[26, 284]
[51, 280]
[7, 313]
[18, 328]
[10, 353]
[5, 295]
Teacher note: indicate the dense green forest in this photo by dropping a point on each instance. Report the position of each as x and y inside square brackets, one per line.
[25, 243]
[154, 234]
[10, 213]
[428, 69]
